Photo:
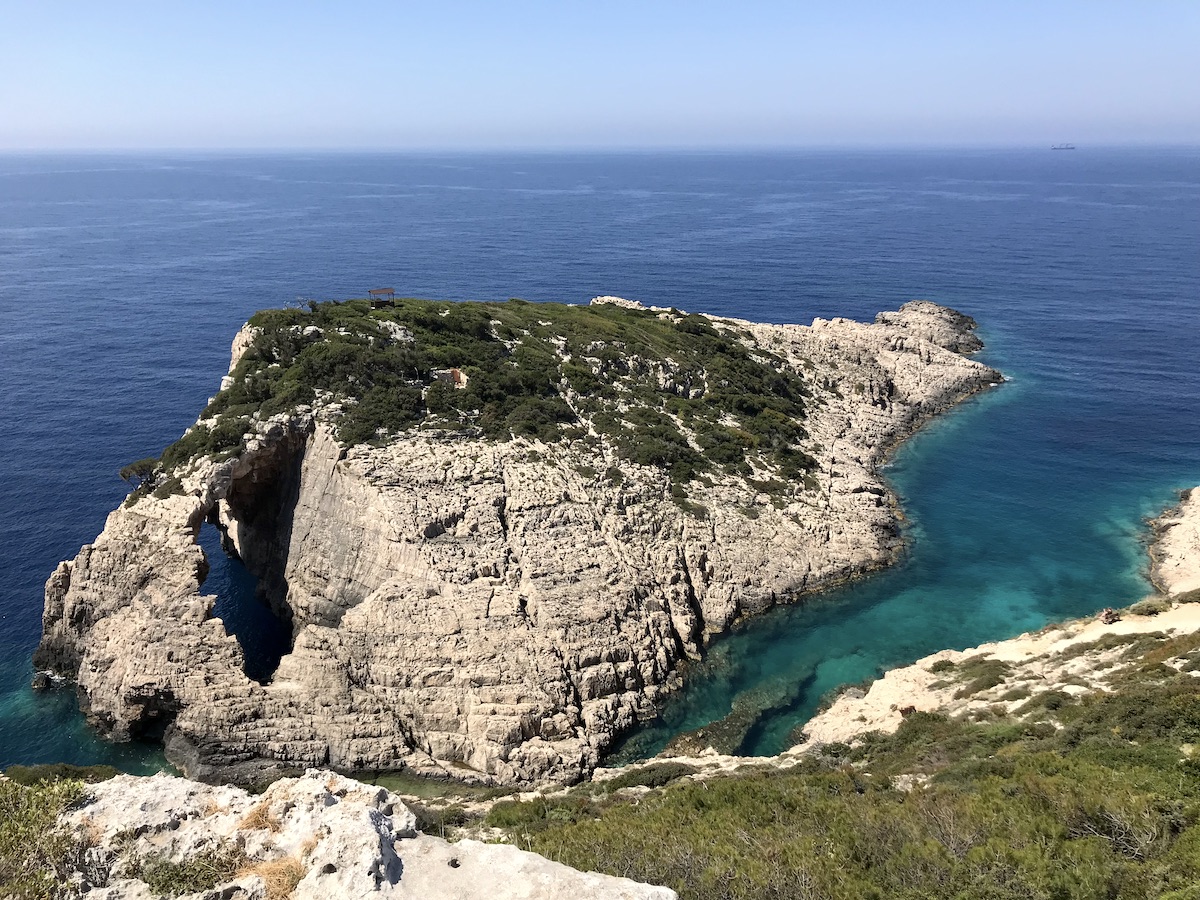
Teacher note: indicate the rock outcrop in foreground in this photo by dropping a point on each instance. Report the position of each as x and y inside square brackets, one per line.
[487, 609]
[317, 837]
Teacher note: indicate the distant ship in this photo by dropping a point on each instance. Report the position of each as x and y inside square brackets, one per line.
[1062, 147]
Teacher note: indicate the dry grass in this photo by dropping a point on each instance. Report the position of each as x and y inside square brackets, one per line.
[309, 846]
[279, 875]
[260, 818]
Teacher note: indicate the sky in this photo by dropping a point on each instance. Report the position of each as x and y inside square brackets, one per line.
[519, 74]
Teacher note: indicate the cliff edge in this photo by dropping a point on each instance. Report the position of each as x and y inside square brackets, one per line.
[494, 530]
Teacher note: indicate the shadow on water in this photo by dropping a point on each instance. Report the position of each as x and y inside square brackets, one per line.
[264, 638]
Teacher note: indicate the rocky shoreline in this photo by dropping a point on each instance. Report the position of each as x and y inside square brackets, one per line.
[1175, 561]
[475, 609]
[1075, 657]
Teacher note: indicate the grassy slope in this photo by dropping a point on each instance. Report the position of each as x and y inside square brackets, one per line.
[1097, 797]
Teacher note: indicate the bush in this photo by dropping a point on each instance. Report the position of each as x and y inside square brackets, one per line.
[981, 673]
[53, 772]
[1151, 606]
[655, 775]
[35, 854]
[201, 872]
[137, 472]
[437, 820]
[528, 816]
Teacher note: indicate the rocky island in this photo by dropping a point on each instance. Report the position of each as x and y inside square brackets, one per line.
[494, 530]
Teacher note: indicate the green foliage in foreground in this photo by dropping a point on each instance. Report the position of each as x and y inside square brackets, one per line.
[34, 855]
[1084, 798]
[656, 387]
[50, 772]
[201, 872]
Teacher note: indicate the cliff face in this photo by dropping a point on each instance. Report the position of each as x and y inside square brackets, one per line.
[480, 608]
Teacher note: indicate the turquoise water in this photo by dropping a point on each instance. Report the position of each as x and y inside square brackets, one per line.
[123, 279]
[970, 576]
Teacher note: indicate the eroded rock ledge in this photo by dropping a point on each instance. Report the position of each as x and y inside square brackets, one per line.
[496, 610]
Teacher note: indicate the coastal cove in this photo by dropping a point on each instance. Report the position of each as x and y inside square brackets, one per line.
[1025, 504]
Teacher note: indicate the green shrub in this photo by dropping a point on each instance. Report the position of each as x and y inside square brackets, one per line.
[1017, 693]
[171, 485]
[438, 820]
[1047, 700]
[225, 436]
[528, 816]
[980, 673]
[942, 665]
[655, 775]
[1104, 808]
[1151, 606]
[35, 854]
[201, 872]
[137, 472]
[52, 772]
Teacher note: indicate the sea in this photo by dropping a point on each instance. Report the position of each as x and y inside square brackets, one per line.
[123, 279]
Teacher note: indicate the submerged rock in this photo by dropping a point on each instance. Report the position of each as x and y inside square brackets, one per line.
[491, 610]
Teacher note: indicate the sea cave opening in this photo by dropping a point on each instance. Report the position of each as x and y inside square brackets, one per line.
[264, 636]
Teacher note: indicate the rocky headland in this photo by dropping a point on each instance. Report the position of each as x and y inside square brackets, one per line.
[494, 530]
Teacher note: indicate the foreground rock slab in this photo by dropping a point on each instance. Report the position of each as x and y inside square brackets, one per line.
[487, 610]
[317, 837]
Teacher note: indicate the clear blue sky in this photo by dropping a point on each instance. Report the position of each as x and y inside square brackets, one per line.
[401, 75]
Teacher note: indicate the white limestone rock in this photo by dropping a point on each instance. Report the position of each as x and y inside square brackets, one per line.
[341, 838]
[1176, 550]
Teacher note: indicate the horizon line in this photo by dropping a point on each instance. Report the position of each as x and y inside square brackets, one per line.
[630, 149]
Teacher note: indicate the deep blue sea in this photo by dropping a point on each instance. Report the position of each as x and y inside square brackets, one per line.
[123, 279]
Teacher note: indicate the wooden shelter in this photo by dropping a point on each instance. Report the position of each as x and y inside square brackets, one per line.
[382, 297]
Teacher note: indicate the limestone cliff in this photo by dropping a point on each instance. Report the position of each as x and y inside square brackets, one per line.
[485, 608]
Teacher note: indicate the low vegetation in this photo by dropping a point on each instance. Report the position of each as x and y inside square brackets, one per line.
[674, 391]
[201, 872]
[35, 855]
[1096, 796]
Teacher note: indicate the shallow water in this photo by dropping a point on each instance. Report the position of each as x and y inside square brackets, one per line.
[123, 279]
